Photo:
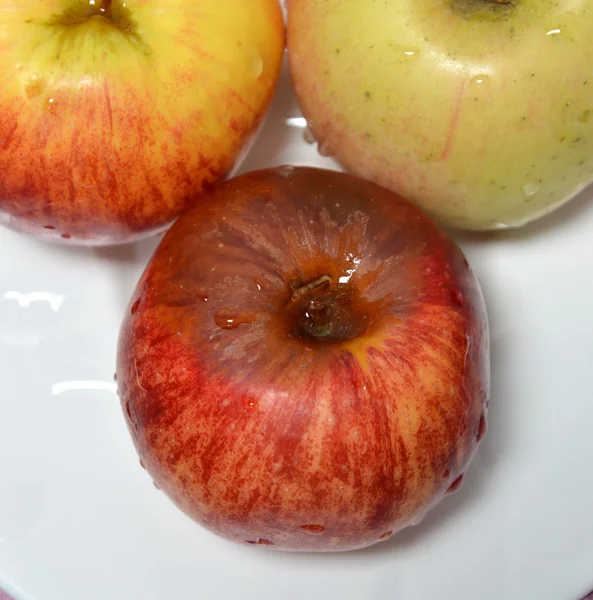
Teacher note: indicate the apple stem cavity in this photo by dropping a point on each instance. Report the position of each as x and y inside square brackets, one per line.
[483, 8]
[298, 293]
[105, 8]
[326, 315]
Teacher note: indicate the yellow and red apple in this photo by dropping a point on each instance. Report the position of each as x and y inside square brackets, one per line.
[115, 115]
[304, 364]
[480, 111]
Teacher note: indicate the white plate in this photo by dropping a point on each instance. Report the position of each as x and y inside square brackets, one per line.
[80, 520]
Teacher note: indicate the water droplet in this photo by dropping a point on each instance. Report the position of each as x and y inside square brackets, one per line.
[135, 306]
[482, 428]
[411, 53]
[156, 485]
[51, 105]
[250, 403]
[385, 536]
[227, 318]
[479, 80]
[405, 52]
[259, 284]
[554, 32]
[203, 295]
[48, 227]
[455, 485]
[257, 64]
[308, 135]
[312, 529]
[66, 236]
[530, 188]
[142, 465]
[324, 149]
[456, 297]
[260, 542]
[127, 407]
[115, 377]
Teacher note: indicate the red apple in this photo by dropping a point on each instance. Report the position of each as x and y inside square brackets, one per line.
[305, 364]
[115, 114]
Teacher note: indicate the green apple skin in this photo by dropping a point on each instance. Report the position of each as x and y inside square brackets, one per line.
[480, 112]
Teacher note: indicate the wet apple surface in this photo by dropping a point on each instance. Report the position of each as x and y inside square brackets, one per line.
[305, 362]
[116, 115]
[477, 110]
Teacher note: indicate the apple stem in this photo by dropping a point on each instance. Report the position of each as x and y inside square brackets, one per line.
[309, 287]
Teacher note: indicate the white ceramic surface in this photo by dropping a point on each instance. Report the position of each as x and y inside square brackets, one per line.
[80, 520]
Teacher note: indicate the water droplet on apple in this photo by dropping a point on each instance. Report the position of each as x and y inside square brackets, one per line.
[264, 542]
[480, 80]
[142, 465]
[115, 377]
[482, 428]
[259, 284]
[530, 188]
[385, 536]
[308, 135]
[324, 149]
[48, 227]
[411, 53]
[250, 403]
[406, 52]
[227, 318]
[135, 306]
[66, 236]
[203, 295]
[127, 408]
[156, 485]
[455, 485]
[51, 105]
[457, 297]
[257, 65]
[312, 529]
[260, 542]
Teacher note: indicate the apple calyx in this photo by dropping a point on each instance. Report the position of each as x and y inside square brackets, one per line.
[322, 312]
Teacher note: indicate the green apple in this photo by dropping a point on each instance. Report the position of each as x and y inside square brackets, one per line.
[116, 114]
[481, 111]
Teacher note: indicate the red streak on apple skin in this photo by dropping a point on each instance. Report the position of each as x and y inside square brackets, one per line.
[258, 434]
[100, 181]
[453, 123]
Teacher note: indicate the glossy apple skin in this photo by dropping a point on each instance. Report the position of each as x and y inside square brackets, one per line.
[269, 439]
[483, 118]
[106, 135]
